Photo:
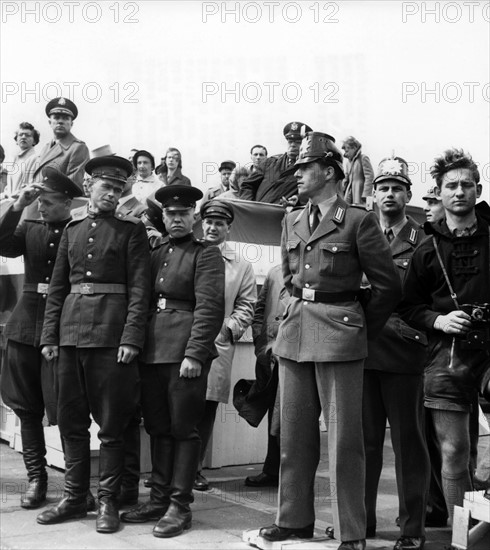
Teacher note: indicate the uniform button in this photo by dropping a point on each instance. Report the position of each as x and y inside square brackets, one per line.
[47, 279]
[89, 273]
[308, 248]
[89, 256]
[307, 266]
[91, 240]
[44, 296]
[161, 279]
[170, 249]
[305, 303]
[405, 263]
[51, 245]
[165, 264]
[334, 248]
[49, 262]
[307, 285]
[56, 230]
[346, 319]
[417, 337]
[93, 224]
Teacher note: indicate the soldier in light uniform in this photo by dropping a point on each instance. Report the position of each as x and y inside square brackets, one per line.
[27, 382]
[95, 321]
[322, 344]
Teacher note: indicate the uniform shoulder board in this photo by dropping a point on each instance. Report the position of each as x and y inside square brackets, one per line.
[360, 206]
[339, 214]
[38, 220]
[126, 217]
[413, 237]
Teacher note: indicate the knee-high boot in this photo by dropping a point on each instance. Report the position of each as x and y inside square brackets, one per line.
[34, 452]
[163, 461]
[131, 472]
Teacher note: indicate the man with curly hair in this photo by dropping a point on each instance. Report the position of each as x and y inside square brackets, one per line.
[445, 291]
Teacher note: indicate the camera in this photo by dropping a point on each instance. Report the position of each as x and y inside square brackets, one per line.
[478, 336]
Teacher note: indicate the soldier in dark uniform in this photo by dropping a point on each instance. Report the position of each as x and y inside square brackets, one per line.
[272, 182]
[187, 315]
[27, 383]
[322, 344]
[95, 319]
[393, 382]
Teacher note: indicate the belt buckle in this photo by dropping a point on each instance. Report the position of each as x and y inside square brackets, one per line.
[42, 288]
[86, 288]
[162, 303]
[308, 294]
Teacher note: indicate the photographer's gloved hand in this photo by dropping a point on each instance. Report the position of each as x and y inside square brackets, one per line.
[455, 322]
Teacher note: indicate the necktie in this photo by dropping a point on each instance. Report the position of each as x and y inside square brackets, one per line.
[314, 217]
[389, 234]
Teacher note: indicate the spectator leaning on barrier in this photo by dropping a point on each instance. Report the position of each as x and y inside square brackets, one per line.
[322, 343]
[446, 294]
[95, 324]
[28, 380]
[358, 181]
[273, 182]
[240, 297]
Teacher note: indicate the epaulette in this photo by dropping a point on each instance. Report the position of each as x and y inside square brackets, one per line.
[360, 206]
[127, 218]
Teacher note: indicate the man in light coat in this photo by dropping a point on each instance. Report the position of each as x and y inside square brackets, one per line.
[322, 344]
[358, 181]
[240, 297]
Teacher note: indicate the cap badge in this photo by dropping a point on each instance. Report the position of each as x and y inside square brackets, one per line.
[62, 101]
[176, 198]
[392, 166]
[294, 126]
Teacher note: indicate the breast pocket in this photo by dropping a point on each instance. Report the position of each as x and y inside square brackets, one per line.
[335, 259]
[402, 263]
[293, 254]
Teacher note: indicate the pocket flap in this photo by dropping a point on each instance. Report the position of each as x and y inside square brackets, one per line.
[403, 263]
[345, 316]
[413, 334]
[291, 245]
[335, 247]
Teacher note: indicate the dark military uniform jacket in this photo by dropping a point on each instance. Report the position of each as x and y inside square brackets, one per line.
[38, 241]
[188, 300]
[269, 183]
[347, 243]
[399, 347]
[100, 249]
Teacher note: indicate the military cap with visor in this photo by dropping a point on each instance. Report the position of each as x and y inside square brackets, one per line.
[178, 197]
[319, 146]
[110, 167]
[431, 194]
[227, 165]
[296, 130]
[55, 182]
[216, 208]
[62, 105]
[393, 168]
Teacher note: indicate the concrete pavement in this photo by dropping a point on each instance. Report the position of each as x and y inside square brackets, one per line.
[220, 516]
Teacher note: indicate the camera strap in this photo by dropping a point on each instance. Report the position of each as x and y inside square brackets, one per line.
[451, 290]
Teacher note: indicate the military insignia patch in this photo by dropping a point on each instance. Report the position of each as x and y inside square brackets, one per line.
[413, 236]
[339, 214]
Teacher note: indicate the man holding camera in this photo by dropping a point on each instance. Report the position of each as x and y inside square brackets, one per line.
[445, 292]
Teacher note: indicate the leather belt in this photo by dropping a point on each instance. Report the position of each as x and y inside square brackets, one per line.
[39, 288]
[98, 288]
[168, 303]
[311, 295]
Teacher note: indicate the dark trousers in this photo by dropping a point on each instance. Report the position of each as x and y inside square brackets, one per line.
[397, 398]
[91, 381]
[172, 409]
[273, 457]
[205, 427]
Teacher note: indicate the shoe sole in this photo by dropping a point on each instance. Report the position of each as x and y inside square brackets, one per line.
[174, 534]
[153, 518]
[33, 506]
[201, 488]
[107, 530]
[75, 516]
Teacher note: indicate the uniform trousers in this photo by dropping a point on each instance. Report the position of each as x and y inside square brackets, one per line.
[91, 381]
[305, 390]
[172, 408]
[397, 398]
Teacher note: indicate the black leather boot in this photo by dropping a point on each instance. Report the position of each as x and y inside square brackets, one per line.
[77, 482]
[179, 516]
[34, 452]
[111, 464]
[131, 473]
[108, 517]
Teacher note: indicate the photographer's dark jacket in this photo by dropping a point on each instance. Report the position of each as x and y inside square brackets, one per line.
[426, 294]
